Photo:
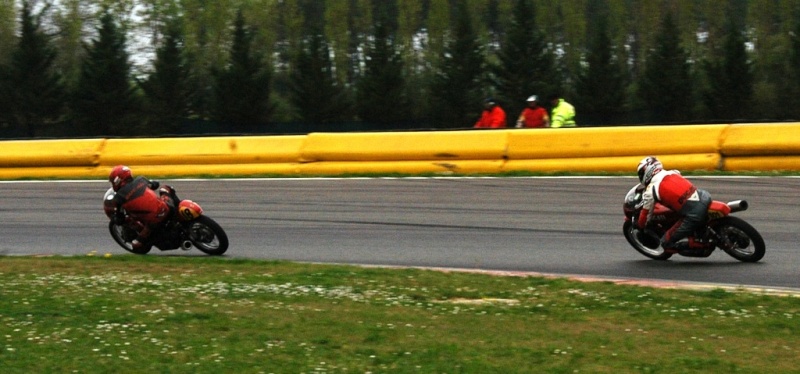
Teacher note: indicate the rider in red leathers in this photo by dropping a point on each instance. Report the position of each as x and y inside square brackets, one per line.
[139, 198]
[674, 191]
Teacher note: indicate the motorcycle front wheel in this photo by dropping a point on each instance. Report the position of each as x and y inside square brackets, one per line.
[124, 235]
[656, 254]
[740, 240]
[208, 236]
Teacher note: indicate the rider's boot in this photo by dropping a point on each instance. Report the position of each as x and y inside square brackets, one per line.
[141, 239]
[689, 246]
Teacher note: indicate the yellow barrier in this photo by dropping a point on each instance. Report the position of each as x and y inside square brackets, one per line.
[762, 163]
[201, 151]
[702, 161]
[617, 149]
[405, 167]
[406, 146]
[45, 153]
[231, 170]
[52, 172]
[534, 144]
[761, 140]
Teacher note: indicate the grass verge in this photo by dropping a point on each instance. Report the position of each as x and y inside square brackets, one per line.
[134, 314]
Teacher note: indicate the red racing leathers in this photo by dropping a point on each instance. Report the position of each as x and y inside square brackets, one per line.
[672, 190]
[144, 204]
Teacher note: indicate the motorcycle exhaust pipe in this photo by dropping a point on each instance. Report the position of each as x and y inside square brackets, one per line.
[738, 205]
[186, 245]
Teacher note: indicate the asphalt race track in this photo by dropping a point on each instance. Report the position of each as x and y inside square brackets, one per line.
[545, 225]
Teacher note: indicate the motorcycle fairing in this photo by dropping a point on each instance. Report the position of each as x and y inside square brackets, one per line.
[189, 210]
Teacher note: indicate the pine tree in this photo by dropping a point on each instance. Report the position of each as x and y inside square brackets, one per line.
[382, 99]
[730, 79]
[790, 85]
[315, 92]
[459, 85]
[525, 62]
[31, 91]
[666, 84]
[104, 102]
[242, 89]
[168, 89]
[601, 86]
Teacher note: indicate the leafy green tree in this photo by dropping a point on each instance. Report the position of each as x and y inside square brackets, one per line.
[242, 89]
[70, 18]
[346, 24]
[381, 94]
[104, 102]
[315, 92]
[601, 86]
[666, 84]
[168, 90]
[459, 85]
[31, 91]
[565, 24]
[525, 61]
[730, 79]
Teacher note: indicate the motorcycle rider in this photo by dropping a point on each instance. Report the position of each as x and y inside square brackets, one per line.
[139, 198]
[672, 190]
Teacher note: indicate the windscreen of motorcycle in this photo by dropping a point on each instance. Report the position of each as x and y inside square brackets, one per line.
[634, 196]
[108, 202]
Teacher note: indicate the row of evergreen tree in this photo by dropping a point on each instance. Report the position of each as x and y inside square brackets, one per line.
[244, 95]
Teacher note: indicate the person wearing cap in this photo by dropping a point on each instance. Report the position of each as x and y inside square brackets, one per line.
[563, 113]
[493, 116]
[533, 116]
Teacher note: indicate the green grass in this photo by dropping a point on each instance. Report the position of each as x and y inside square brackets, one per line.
[138, 314]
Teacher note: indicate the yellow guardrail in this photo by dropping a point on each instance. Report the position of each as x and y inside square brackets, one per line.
[736, 147]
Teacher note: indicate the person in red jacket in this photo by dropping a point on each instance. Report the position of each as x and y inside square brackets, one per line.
[493, 116]
[534, 115]
[140, 200]
[672, 190]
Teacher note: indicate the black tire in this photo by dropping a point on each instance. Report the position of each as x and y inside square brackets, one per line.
[740, 240]
[124, 235]
[655, 254]
[208, 236]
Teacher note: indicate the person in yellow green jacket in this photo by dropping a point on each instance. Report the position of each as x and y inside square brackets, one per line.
[562, 114]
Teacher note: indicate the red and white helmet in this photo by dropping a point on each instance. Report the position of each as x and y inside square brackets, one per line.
[647, 168]
[120, 176]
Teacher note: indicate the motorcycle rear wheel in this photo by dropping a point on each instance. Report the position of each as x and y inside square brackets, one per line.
[656, 254]
[124, 235]
[739, 239]
[208, 236]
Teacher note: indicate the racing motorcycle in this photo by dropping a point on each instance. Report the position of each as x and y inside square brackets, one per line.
[731, 234]
[188, 227]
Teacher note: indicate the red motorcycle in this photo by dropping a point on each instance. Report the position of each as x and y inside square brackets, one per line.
[731, 234]
[186, 228]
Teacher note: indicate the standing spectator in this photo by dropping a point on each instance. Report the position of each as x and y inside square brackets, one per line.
[533, 116]
[563, 113]
[493, 116]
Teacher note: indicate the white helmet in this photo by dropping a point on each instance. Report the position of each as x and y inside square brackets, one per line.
[532, 98]
[647, 168]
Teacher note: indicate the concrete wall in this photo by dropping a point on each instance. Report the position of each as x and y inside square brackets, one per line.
[738, 147]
